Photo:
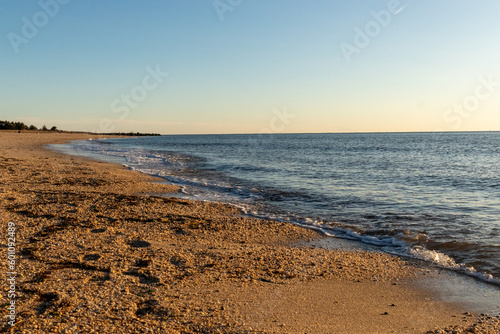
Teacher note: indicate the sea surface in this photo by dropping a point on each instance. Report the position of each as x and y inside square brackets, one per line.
[432, 196]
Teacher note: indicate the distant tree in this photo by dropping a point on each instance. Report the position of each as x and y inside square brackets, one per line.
[6, 125]
[20, 126]
[32, 127]
[54, 128]
[44, 128]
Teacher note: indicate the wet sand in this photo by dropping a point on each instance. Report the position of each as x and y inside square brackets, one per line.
[99, 250]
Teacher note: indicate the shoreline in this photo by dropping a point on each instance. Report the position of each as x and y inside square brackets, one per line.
[408, 227]
[86, 226]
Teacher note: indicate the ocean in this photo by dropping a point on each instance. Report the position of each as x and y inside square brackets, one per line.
[431, 196]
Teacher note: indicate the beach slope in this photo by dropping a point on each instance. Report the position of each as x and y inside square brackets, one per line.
[99, 250]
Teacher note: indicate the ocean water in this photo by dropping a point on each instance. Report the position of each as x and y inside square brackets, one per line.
[432, 196]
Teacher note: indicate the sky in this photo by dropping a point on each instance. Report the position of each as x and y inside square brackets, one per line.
[251, 66]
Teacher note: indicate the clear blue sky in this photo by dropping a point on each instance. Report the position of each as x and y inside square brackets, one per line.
[233, 66]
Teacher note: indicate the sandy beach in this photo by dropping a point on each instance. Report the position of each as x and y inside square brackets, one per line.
[100, 250]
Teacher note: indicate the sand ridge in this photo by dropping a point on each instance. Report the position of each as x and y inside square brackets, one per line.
[100, 251]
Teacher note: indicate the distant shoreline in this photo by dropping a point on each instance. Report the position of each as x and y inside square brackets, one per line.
[120, 134]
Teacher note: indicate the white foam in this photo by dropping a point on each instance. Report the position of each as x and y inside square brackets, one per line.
[445, 261]
[441, 259]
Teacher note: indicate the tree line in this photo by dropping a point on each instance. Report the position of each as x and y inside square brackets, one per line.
[20, 126]
[6, 125]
